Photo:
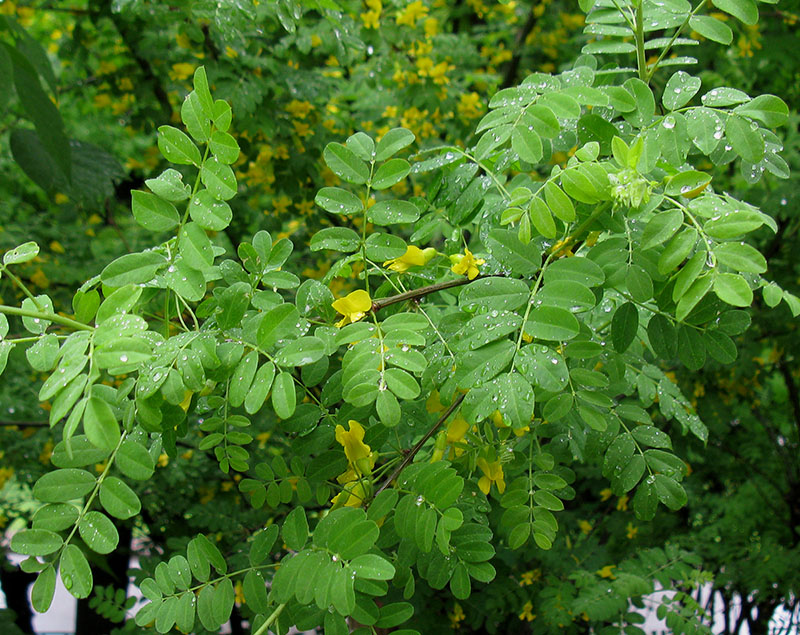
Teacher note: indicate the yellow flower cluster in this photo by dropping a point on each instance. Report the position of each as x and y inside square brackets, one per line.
[360, 459]
[466, 265]
[371, 18]
[412, 13]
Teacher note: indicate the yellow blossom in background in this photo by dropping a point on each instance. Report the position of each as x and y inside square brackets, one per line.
[622, 503]
[57, 247]
[40, 279]
[431, 27]
[238, 593]
[413, 12]
[432, 404]
[281, 204]
[605, 494]
[466, 264]
[299, 109]
[353, 307]
[585, 526]
[414, 257]
[181, 71]
[390, 111]
[527, 612]
[492, 474]
[605, 572]
[456, 616]
[183, 41]
[102, 100]
[529, 577]
[306, 208]
[163, 460]
[631, 530]
[47, 451]
[470, 106]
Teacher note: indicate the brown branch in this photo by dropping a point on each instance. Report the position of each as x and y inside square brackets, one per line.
[413, 452]
[380, 303]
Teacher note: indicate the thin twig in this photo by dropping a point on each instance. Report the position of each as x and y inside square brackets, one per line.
[380, 303]
[413, 452]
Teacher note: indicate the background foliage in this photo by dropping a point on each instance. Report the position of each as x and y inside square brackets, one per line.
[205, 476]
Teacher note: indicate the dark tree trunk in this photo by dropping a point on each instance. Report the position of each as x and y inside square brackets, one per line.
[115, 573]
[15, 583]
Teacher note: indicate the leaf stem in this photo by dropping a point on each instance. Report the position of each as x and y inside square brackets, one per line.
[44, 315]
[274, 616]
[25, 289]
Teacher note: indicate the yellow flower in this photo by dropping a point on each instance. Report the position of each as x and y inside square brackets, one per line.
[299, 109]
[631, 531]
[353, 493]
[281, 204]
[605, 494]
[527, 612]
[163, 459]
[40, 279]
[371, 19]
[357, 452]
[181, 71]
[353, 307]
[529, 577]
[466, 264]
[414, 257]
[456, 616]
[457, 429]
[412, 13]
[492, 473]
[622, 503]
[238, 594]
[585, 526]
[605, 572]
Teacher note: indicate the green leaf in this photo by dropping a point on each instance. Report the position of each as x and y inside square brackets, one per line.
[344, 163]
[541, 218]
[552, 323]
[118, 499]
[401, 383]
[22, 253]
[337, 239]
[688, 183]
[390, 173]
[733, 289]
[494, 293]
[661, 227]
[652, 436]
[295, 529]
[134, 461]
[395, 614]
[624, 326]
[741, 257]
[132, 269]
[209, 212]
[200, 82]
[745, 138]
[224, 147]
[63, 485]
[768, 109]
[720, 346]
[35, 542]
[388, 408]
[277, 323]
[724, 96]
[262, 382]
[75, 572]
[283, 395]
[195, 247]
[382, 246]
[153, 213]
[222, 115]
[691, 349]
[582, 270]
[169, 185]
[676, 250]
[100, 425]
[372, 567]
[559, 203]
[527, 144]
[680, 89]
[43, 590]
[338, 201]
[670, 492]
[392, 212]
[196, 121]
[392, 142]
[219, 179]
[510, 252]
[55, 517]
[255, 591]
[744, 10]
[639, 284]
[645, 501]
[711, 28]
[177, 147]
[98, 532]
